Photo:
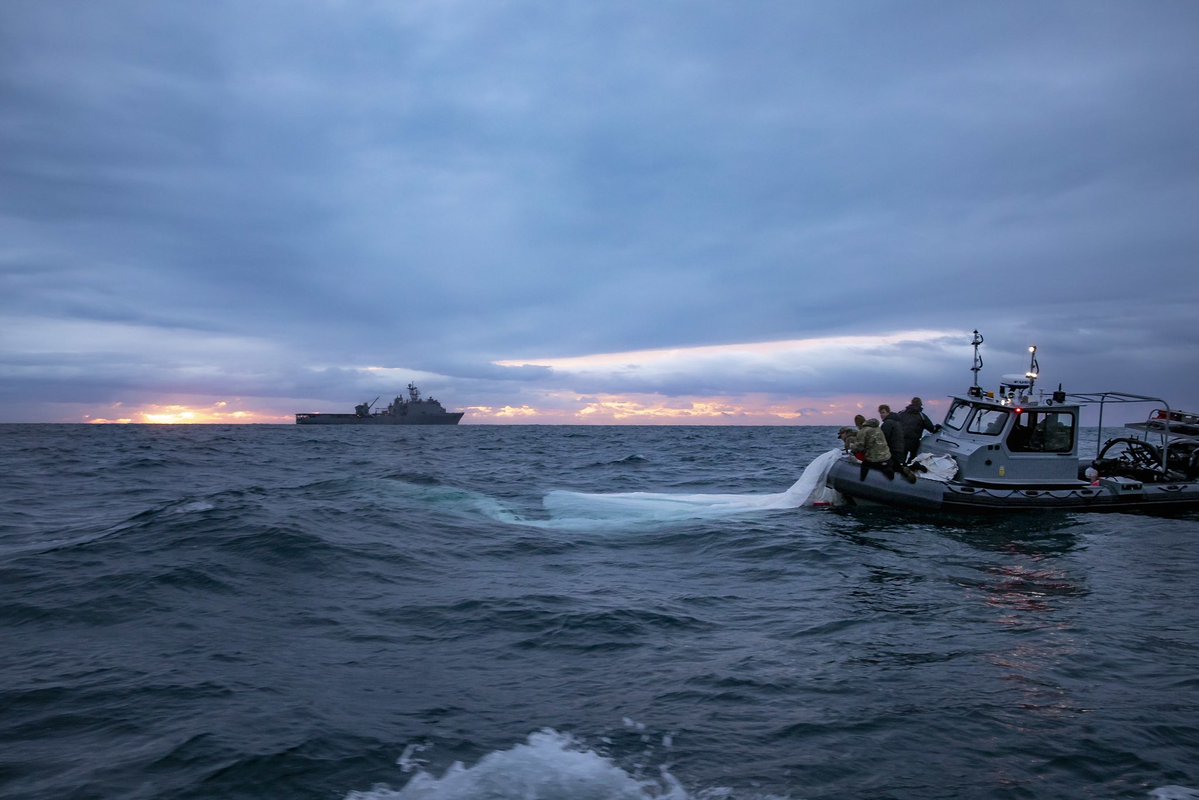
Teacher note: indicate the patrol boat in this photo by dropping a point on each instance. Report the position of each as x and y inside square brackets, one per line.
[416, 410]
[1012, 450]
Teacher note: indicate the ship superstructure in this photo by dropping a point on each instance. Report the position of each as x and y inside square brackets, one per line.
[413, 410]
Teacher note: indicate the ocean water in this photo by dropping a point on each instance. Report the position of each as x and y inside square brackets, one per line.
[584, 613]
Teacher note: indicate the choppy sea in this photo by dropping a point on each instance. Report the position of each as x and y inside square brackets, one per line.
[468, 613]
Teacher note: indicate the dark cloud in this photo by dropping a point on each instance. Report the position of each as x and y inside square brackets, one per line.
[248, 198]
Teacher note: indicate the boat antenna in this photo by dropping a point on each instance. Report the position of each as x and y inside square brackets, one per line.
[1033, 368]
[975, 391]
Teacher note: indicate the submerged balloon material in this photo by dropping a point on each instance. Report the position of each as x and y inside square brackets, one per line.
[583, 508]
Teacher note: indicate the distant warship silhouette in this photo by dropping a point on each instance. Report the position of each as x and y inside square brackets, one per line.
[416, 410]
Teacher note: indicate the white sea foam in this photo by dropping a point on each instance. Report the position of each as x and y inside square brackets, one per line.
[567, 508]
[552, 765]
[194, 507]
[549, 765]
[1174, 793]
[408, 761]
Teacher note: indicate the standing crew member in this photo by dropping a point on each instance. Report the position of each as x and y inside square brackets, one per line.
[895, 441]
[914, 423]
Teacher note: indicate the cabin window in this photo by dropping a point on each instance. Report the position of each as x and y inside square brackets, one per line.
[1042, 432]
[956, 417]
[988, 421]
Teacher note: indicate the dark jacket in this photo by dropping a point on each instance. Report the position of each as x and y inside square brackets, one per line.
[914, 422]
[895, 439]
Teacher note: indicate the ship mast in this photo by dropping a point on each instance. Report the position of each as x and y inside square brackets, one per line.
[1033, 368]
[976, 390]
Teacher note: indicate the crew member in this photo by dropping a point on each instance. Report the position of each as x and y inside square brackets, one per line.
[893, 432]
[914, 423]
[873, 446]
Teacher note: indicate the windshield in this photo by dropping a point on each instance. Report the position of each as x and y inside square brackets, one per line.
[988, 421]
[956, 417]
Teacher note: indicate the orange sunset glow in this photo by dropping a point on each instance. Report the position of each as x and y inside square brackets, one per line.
[656, 410]
[556, 409]
[220, 413]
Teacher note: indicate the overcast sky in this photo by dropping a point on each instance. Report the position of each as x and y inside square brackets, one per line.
[607, 211]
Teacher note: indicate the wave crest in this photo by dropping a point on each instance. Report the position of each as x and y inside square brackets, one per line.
[549, 765]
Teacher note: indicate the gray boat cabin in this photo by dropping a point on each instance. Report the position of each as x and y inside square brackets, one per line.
[1011, 439]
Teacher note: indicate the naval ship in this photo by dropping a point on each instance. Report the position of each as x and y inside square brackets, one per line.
[416, 410]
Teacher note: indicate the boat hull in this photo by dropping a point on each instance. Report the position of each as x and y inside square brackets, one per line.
[449, 418]
[1117, 494]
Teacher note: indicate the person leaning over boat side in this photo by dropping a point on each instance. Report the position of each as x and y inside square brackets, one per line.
[895, 441]
[914, 423]
[873, 446]
[849, 438]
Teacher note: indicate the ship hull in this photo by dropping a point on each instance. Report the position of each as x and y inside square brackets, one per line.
[933, 495]
[449, 418]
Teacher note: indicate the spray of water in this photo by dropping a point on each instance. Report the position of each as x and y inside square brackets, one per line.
[548, 766]
[553, 766]
[1174, 793]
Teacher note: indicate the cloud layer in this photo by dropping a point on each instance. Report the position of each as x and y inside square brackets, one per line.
[295, 205]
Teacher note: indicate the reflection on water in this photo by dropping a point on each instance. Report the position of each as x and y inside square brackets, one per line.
[1031, 533]
[1034, 534]
[1027, 672]
[1017, 573]
[1018, 588]
[1032, 595]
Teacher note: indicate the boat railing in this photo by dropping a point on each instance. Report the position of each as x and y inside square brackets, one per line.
[1102, 399]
